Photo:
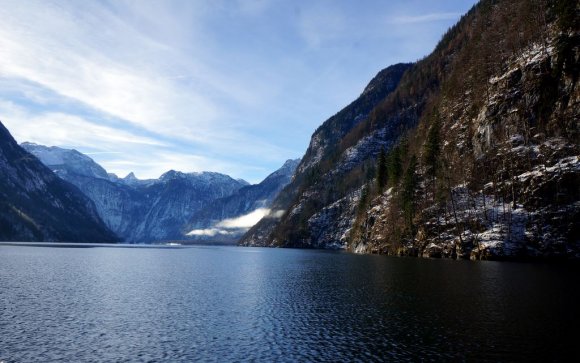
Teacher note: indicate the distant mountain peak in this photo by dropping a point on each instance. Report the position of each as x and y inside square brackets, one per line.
[130, 177]
[287, 169]
[246, 201]
[66, 160]
[144, 210]
[171, 174]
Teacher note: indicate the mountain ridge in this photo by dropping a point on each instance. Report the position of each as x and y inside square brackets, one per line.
[154, 209]
[39, 206]
[494, 79]
[323, 145]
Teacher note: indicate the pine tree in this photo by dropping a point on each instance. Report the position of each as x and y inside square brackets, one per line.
[364, 199]
[410, 183]
[432, 148]
[382, 171]
[395, 168]
[432, 152]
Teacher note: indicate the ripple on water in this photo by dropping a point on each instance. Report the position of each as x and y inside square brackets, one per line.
[231, 304]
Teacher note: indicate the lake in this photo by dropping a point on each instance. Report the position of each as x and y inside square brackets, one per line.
[106, 304]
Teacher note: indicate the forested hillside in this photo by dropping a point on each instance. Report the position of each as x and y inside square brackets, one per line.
[474, 154]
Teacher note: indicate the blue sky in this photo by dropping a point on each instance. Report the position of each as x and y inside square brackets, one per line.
[231, 86]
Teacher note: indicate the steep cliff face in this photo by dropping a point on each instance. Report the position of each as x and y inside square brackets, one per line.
[500, 180]
[36, 205]
[323, 144]
[119, 205]
[486, 163]
[227, 219]
[322, 152]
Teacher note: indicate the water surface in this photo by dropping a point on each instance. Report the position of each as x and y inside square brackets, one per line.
[236, 304]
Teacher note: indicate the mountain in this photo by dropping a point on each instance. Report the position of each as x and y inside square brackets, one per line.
[63, 162]
[39, 206]
[322, 151]
[137, 210]
[165, 208]
[175, 197]
[473, 154]
[246, 200]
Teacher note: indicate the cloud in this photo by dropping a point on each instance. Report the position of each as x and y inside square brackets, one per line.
[210, 232]
[238, 224]
[232, 86]
[66, 63]
[58, 129]
[276, 214]
[118, 151]
[102, 152]
[245, 221]
[426, 18]
[163, 84]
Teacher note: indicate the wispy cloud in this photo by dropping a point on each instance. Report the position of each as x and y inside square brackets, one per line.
[425, 18]
[119, 151]
[56, 128]
[238, 224]
[102, 152]
[230, 86]
[135, 77]
[62, 52]
[208, 232]
[245, 221]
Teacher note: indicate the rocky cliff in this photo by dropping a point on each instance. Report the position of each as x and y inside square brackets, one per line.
[498, 171]
[36, 205]
[313, 188]
[176, 197]
[480, 144]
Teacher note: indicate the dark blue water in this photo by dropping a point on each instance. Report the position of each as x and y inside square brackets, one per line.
[238, 304]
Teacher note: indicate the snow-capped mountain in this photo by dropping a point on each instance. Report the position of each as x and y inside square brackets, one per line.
[142, 211]
[63, 161]
[36, 205]
[246, 200]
